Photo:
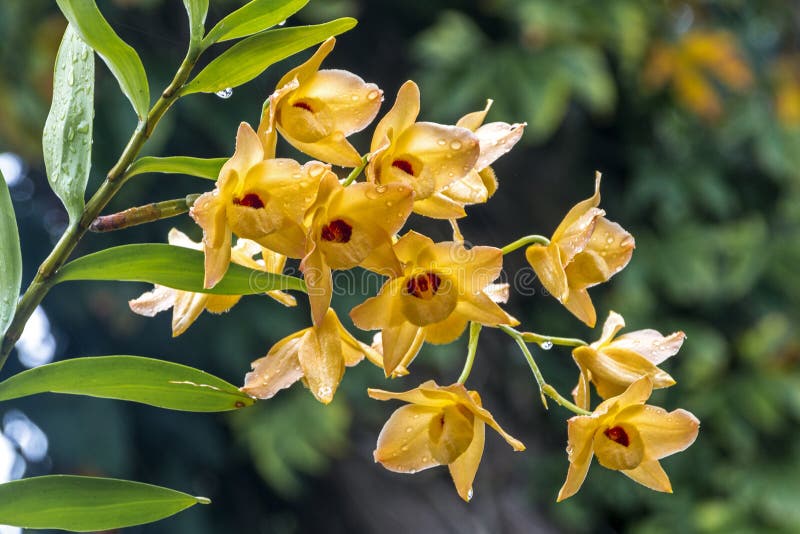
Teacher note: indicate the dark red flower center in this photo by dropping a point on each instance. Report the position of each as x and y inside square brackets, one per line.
[250, 200]
[618, 435]
[303, 105]
[423, 286]
[337, 231]
[404, 166]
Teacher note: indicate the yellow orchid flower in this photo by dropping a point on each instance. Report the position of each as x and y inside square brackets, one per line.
[495, 139]
[318, 355]
[441, 425]
[426, 155]
[441, 289]
[187, 306]
[258, 199]
[630, 436]
[614, 364]
[348, 227]
[586, 249]
[315, 110]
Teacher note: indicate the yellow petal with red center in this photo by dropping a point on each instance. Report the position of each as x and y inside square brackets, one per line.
[403, 444]
[187, 308]
[546, 263]
[426, 394]
[446, 153]
[481, 309]
[468, 190]
[651, 344]
[402, 115]
[447, 331]
[618, 446]
[209, 211]
[346, 241]
[428, 298]
[613, 370]
[580, 304]
[382, 310]
[580, 431]
[278, 370]
[464, 468]
[473, 268]
[399, 346]
[450, 433]
[321, 358]
[439, 206]
[385, 206]
[650, 474]
[496, 138]
[319, 282]
[663, 433]
[149, 304]
[346, 101]
[291, 186]
[221, 303]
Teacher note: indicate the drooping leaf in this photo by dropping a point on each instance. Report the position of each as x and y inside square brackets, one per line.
[122, 60]
[201, 167]
[249, 58]
[171, 266]
[253, 17]
[197, 10]
[133, 378]
[11, 262]
[67, 137]
[87, 504]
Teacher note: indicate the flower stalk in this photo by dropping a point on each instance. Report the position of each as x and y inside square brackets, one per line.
[524, 242]
[472, 349]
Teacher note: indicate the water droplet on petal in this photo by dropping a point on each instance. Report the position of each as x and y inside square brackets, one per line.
[610, 239]
[469, 494]
[455, 145]
[316, 171]
[225, 93]
[372, 95]
[409, 430]
[354, 98]
[441, 142]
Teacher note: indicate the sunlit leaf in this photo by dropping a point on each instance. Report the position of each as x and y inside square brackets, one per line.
[67, 137]
[201, 167]
[253, 17]
[133, 378]
[197, 10]
[11, 262]
[249, 58]
[86, 504]
[122, 60]
[171, 266]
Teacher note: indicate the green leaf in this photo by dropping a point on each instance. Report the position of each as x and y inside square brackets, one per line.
[132, 378]
[200, 167]
[67, 137]
[86, 504]
[11, 262]
[122, 60]
[253, 17]
[249, 58]
[197, 10]
[171, 266]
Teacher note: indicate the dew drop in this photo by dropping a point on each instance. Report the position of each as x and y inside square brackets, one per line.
[610, 239]
[297, 176]
[324, 392]
[409, 430]
[281, 23]
[441, 142]
[469, 494]
[404, 448]
[315, 171]
[225, 93]
[424, 458]
[388, 203]
[416, 416]
[372, 95]
[380, 188]
[70, 134]
[546, 345]
[354, 98]
[455, 145]
[412, 471]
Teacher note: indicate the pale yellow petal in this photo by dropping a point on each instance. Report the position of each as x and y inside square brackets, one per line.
[403, 442]
[651, 344]
[447, 331]
[402, 115]
[468, 190]
[480, 308]
[613, 324]
[221, 303]
[321, 358]
[426, 394]
[278, 370]
[186, 309]
[319, 281]
[619, 446]
[546, 263]
[209, 211]
[249, 152]
[439, 206]
[582, 393]
[382, 310]
[472, 269]
[399, 346]
[451, 433]
[306, 70]
[580, 304]
[409, 247]
[464, 468]
[385, 206]
[614, 370]
[663, 433]
[580, 431]
[498, 293]
[472, 121]
[496, 138]
[471, 400]
[332, 148]
[650, 474]
[580, 217]
[637, 393]
[149, 304]
[179, 239]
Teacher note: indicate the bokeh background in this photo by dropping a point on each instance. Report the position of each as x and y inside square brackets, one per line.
[692, 112]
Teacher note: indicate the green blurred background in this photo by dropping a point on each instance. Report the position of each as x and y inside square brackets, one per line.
[692, 112]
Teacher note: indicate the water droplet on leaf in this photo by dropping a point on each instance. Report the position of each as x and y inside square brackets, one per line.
[225, 93]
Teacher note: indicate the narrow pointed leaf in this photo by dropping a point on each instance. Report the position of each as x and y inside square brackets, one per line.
[201, 167]
[249, 58]
[171, 266]
[253, 17]
[67, 137]
[132, 378]
[197, 10]
[87, 504]
[10, 259]
[122, 60]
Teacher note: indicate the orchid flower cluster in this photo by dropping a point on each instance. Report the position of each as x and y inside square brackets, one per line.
[281, 209]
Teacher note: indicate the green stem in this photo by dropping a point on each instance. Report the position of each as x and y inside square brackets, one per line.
[524, 241]
[357, 171]
[542, 341]
[114, 181]
[545, 389]
[143, 214]
[472, 349]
